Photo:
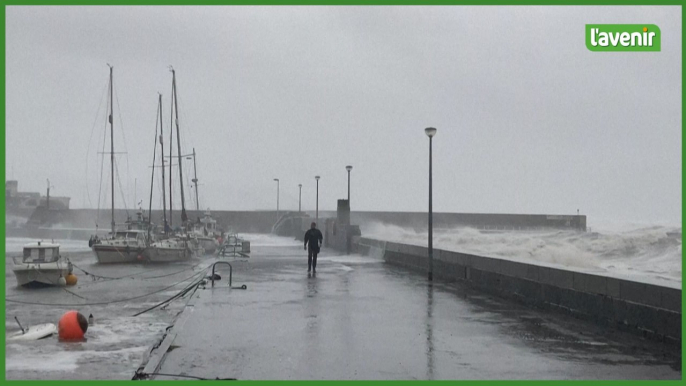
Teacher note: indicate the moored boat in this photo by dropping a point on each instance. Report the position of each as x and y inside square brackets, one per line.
[41, 265]
[126, 246]
[168, 250]
[205, 231]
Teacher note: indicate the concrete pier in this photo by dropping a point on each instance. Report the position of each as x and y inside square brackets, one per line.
[362, 318]
[649, 310]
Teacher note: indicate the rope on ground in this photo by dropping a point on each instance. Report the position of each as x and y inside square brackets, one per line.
[173, 273]
[102, 303]
[193, 286]
[142, 375]
[134, 274]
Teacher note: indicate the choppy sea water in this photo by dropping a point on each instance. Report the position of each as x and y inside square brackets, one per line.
[641, 252]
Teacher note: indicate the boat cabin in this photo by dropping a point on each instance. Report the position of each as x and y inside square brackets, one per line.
[207, 225]
[132, 234]
[41, 253]
[140, 223]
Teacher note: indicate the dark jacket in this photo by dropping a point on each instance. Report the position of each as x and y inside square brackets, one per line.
[313, 236]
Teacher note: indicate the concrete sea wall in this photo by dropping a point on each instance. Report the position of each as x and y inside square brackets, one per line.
[649, 310]
[263, 221]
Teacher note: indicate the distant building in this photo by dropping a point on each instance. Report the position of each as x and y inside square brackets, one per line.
[24, 203]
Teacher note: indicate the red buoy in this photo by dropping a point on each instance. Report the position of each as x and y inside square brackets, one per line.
[72, 326]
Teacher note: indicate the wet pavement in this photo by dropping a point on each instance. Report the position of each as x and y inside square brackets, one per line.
[359, 318]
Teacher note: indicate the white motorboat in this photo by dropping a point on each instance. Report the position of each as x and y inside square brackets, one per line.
[205, 231]
[41, 265]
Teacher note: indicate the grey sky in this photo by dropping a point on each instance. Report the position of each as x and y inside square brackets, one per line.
[529, 120]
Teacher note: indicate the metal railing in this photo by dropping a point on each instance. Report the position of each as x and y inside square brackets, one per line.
[212, 278]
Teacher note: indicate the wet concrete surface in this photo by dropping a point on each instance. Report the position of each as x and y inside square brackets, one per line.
[359, 318]
[117, 342]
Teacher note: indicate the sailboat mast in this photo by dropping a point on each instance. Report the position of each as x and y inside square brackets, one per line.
[111, 118]
[184, 218]
[171, 141]
[195, 182]
[164, 194]
[152, 178]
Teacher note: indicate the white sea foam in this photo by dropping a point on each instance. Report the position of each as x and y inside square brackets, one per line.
[638, 251]
[269, 240]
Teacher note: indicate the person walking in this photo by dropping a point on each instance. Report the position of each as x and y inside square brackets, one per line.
[314, 237]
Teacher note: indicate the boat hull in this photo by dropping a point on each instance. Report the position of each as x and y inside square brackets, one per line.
[209, 244]
[38, 275]
[107, 254]
[155, 254]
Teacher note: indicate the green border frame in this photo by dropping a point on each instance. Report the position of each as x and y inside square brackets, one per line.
[342, 2]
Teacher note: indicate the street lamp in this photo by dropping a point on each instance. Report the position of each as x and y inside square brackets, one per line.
[277, 198]
[349, 168]
[300, 196]
[317, 210]
[430, 132]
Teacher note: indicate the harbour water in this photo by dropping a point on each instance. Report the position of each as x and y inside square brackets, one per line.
[118, 341]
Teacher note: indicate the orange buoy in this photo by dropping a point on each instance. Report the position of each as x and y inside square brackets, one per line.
[71, 279]
[72, 326]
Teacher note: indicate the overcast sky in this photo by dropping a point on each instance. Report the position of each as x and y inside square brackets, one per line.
[529, 120]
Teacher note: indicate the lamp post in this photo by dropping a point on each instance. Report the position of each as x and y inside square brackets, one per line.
[300, 196]
[430, 132]
[317, 210]
[349, 168]
[277, 198]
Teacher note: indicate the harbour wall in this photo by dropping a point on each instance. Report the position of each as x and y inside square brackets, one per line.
[263, 221]
[649, 310]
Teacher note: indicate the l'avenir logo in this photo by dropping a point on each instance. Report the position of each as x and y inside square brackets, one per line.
[623, 37]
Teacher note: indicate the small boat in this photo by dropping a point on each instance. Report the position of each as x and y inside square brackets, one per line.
[41, 265]
[233, 245]
[39, 331]
[205, 231]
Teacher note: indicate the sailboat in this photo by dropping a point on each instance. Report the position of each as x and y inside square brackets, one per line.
[173, 246]
[124, 246]
[205, 229]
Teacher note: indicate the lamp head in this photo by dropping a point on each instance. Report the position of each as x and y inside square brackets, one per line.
[349, 168]
[430, 131]
[316, 178]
